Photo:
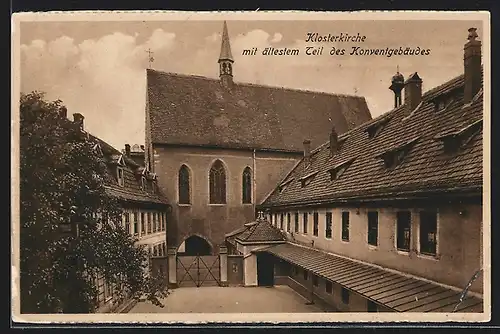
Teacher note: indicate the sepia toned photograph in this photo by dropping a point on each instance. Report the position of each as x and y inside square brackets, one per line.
[184, 167]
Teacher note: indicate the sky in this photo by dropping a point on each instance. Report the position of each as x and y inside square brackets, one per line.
[98, 68]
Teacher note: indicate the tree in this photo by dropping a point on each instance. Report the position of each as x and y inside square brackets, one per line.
[62, 182]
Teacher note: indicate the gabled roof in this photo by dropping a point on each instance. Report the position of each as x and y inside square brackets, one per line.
[194, 110]
[425, 166]
[132, 189]
[258, 231]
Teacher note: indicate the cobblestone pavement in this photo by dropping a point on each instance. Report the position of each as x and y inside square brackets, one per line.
[230, 300]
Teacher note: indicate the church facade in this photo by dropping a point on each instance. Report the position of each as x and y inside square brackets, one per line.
[219, 147]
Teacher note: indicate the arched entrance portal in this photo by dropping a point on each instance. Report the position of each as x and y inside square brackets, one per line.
[195, 246]
[196, 266]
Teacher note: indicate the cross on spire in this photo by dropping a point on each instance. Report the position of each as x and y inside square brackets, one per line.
[150, 57]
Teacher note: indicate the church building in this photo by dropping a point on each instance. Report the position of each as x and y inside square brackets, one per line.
[219, 146]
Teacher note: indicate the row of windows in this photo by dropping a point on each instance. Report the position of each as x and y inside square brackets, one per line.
[158, 250]
[427, 233]
[144, 222]
[217, 184]
[105, 290]
[345, 294]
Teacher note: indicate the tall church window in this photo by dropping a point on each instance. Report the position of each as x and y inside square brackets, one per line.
[217, 183]
[247, 186]
[184, 185]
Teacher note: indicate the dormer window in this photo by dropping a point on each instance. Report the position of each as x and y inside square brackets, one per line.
[454, 141]
[339, 169]
[121, 179]
[374, 129]
[97, 149]
[442, 102]
[284, 185]
[338, 146]
[306, 180]
[396, 155]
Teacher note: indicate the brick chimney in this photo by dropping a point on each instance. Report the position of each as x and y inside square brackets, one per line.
[127, 150]
[78, 119]
[334, 141]
[63, 112]
[472, 66]
[413, 92]
[307, 148]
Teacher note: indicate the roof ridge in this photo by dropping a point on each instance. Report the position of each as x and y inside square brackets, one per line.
[239, 83]
[388, 113]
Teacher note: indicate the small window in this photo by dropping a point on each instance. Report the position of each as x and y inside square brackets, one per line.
[371, 306]
[315, 224]
[328, 225]
[403, 233]
[143, 223]
[373, 228]
[136, 226]
[149, 222]
[288, 223]
[296, 222]
[143, 183]
[328, 287]
[121, 180]
[428, 232]
[345, 226]
[345, 296]
[304, 222]
[127, 221]
[281, 221]
[315, 280]
[306, 275]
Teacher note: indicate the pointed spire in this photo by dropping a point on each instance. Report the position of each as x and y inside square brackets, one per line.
[225, 50]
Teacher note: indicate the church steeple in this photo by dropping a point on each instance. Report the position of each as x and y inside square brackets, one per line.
[226, 59]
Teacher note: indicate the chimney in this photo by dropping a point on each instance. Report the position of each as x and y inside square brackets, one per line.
[472, 66]
[413, 92]
[63, 112]
[127, 150]
[78, 119]
[334, 141]
[307, 148]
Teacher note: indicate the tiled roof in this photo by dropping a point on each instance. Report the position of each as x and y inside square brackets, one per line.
[419, 136]
[132, 189]
[258, 231]
[194, 110]
[394, 290]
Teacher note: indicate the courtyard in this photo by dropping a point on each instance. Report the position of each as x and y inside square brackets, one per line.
[277, 299]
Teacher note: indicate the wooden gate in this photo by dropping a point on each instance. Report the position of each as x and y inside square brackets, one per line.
[198, 271]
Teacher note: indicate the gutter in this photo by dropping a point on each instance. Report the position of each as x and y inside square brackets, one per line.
[410, 196]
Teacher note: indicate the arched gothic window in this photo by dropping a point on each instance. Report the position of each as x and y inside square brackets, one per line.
[217, 183]
[184, 185]
[247, 186]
